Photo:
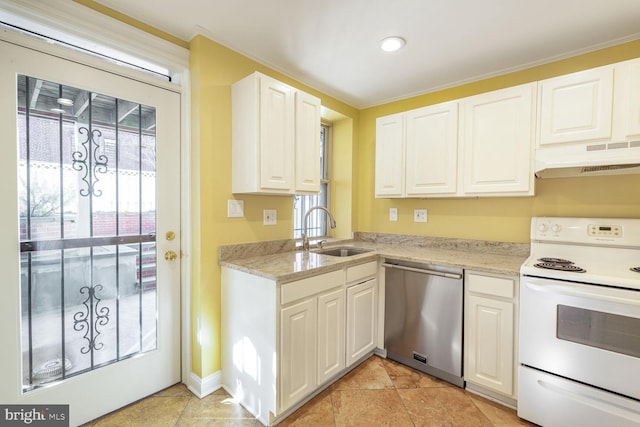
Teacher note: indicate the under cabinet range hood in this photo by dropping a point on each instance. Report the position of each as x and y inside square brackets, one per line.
[595, 159]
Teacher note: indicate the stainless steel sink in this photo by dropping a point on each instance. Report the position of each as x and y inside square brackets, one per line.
[342, 251]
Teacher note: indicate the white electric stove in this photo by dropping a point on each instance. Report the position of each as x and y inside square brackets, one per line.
[579, 337]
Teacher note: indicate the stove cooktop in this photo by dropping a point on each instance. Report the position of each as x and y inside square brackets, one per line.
[617, 268]
[599, 251]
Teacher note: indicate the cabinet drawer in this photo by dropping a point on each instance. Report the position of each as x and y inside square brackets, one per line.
[293, 291]
[362, 271]
[497, 286]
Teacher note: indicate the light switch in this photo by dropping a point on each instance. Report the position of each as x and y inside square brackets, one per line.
[393, 214]
[269, 217]
[235, 208]
[419, 215]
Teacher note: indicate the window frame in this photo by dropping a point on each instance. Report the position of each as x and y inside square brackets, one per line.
[317, 217]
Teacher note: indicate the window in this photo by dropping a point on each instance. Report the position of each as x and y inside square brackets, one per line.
[317, 226]
[87, 186]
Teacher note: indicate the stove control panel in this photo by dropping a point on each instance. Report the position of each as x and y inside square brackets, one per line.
[589, 231]
[600, 230]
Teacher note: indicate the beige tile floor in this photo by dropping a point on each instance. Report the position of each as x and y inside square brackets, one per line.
[379, 392]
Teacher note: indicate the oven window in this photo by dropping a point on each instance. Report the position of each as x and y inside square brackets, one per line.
[620, 334]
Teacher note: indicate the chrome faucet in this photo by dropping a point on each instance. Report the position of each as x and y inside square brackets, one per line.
[305, 237]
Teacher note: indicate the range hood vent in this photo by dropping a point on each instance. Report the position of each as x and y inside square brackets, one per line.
[618, 158]
[589, 171]
[597, 169]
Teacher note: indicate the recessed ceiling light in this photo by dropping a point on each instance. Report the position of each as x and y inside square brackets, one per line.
[391, 44]
[65, 101]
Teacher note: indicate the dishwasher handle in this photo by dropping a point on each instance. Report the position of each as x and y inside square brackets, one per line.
[423, 271]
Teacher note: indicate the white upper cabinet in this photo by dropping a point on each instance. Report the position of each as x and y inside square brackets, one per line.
[276, 135]
[431, 150]
[389, 179]
[626, 125]
[476, 146]
[274, 127]
[307, 143]
[597, 105]
[416, 152]
[496, 148]
[577, 107]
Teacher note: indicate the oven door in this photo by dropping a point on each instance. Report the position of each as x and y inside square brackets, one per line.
[583, 332]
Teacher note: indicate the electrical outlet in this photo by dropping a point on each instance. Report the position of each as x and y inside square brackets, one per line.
[419, 215]
[269, 217]
[235, 208]
[393, 214]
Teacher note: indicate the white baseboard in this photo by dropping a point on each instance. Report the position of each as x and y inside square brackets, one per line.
[202, 387]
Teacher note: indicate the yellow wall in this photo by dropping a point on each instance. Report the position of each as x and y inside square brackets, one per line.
[213, 69]
[502, 219]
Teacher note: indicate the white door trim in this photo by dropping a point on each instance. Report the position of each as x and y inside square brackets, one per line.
[68, 19]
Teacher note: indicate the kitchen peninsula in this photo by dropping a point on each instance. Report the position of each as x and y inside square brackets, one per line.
[293, 322]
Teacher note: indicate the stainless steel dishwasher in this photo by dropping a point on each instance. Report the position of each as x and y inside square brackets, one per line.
[423, 318]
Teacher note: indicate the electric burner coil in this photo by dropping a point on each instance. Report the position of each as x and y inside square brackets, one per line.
[566, 266]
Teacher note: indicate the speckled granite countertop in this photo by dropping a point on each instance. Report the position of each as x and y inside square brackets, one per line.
[290, 265]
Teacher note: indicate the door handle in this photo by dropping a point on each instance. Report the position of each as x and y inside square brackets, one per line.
[170, 256]
[625, 297]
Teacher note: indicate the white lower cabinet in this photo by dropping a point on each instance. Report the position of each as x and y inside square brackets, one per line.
[298, 346]
[361, 320]
[311, 344]
[490, 356]
[281, 343]
[331, 332]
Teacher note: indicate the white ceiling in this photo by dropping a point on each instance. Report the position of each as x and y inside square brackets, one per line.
[332, 45]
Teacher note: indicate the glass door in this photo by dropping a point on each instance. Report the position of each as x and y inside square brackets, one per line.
[92, 270]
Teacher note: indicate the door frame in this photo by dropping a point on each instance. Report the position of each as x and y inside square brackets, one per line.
[71, 21]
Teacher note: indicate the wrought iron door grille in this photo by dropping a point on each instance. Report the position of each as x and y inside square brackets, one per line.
[87, 230]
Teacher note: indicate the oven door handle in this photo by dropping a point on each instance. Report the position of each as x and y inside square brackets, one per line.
[578, 291]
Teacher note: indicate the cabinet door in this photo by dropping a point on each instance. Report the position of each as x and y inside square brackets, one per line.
[431, 150]
[276, 135]
[361, 320]
[576, 107]
[632, 92]
[331, 357]
[489, 350]
[390, 156]
[297, 351]
[307, 143]
[497, 142]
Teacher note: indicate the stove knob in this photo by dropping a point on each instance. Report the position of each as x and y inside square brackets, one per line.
[555, 228]
[542, 228]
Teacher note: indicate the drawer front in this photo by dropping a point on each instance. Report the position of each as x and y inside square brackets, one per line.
[498, 286]
[362, 271]
[293, 291]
